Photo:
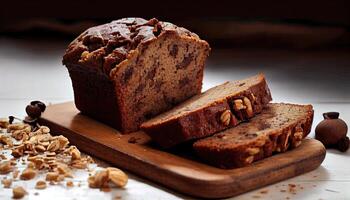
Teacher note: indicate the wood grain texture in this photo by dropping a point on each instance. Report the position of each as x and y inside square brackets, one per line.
[177, 172]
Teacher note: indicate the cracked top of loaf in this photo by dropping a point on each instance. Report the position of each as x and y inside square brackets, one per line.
[105, 46]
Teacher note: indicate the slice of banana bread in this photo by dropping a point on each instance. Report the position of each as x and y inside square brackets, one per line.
[131, 69]
[216, 109]
[277, 128]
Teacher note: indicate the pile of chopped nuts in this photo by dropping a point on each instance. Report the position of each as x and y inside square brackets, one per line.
[48, 154]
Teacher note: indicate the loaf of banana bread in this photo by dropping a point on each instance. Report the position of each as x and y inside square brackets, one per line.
[216, 109]
[277, 128]
[131, 69]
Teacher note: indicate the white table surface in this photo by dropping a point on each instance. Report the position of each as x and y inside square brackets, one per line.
[32, 70]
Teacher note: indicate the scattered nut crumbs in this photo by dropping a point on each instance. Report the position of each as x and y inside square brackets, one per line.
[69, 184]
[40, 185]
[117, 198]
[35, 146]
[292, 188]
[6, 182]
[18, 192]
[264, 191]
[3, 157]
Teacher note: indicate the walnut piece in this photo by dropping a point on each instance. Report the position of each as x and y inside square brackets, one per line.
[6, 140]
[249, 159]
[40, 185]
[6, 182]
[40, 148]
[54, 146]
[101, 178]
[225, 117]
[117, 176]
[249, 108]
[4, 122]
[64, 170]
[18, 192]
[5, 167]
[70, 184]
[52, 176]
[15, 173]
[75, 153]
[238, 105]
[28, 174]
[298, 136]
[16, 126]
[253, 150]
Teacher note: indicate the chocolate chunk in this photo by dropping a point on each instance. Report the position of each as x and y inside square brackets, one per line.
[148, 115]
[127, 74]
[183, 82]
[158, 85]
[173, 50]
[185, 62]
[263, 125]
[169, 100]
[133, 140]
[151, 73]
[140, 88]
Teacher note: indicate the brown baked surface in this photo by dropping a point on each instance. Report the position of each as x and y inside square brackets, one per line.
[201, 115]
[277, 128]
[131, 69]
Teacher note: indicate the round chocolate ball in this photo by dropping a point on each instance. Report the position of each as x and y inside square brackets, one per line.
[40, 104]
[331, 129]
[33, 111]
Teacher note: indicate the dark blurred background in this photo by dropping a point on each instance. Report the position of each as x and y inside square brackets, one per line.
[279, 24]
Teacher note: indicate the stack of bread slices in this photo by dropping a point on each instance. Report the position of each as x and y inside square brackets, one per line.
[233, 124]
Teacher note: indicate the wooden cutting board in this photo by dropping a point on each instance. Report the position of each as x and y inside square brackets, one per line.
[179, 170]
